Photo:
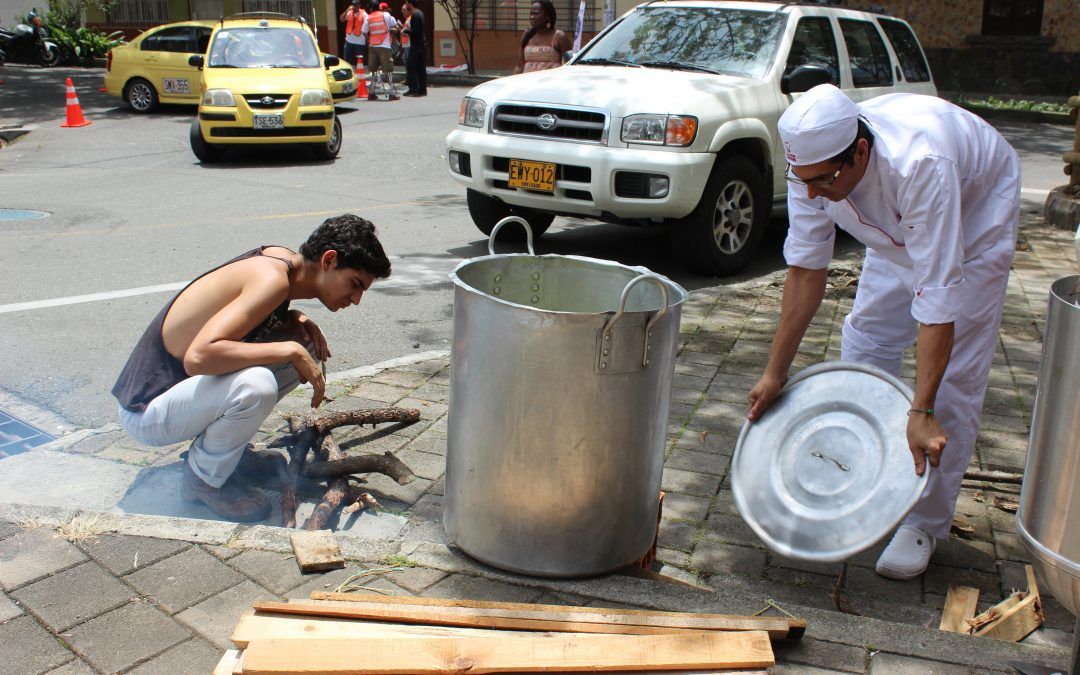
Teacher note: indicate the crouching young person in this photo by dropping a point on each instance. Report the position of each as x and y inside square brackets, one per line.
[219, 356]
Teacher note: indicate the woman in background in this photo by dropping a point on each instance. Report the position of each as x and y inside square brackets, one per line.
[542, 46]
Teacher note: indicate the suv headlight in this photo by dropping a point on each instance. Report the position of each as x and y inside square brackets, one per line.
[218, 97]
[676, 130]
[315, 97]
[471, 112]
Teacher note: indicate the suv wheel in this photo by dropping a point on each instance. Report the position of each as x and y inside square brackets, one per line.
[487, 211]
[331, 148]
[720, 235]
[141, 96]
[206, 152]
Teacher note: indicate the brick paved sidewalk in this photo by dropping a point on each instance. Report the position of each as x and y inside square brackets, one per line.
[116, 592]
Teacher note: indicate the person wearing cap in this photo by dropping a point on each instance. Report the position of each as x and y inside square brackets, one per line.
[378, 29]
[353, 18]
[934, 194]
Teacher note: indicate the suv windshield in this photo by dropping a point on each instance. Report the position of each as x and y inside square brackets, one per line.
[732, 41]
[258, 47]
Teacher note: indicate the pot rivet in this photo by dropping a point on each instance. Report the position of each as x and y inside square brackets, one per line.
[498, 278]
[535, 299]
[497, 290]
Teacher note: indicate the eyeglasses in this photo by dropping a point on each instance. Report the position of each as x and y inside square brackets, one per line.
[818, 182]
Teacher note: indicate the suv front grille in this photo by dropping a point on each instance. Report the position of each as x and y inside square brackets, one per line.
[264, 101]
[584, 126]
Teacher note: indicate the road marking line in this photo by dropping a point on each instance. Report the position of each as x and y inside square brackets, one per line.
[415, 271]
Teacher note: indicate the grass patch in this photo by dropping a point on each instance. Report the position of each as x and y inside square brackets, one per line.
[82, 527]
[398, 560]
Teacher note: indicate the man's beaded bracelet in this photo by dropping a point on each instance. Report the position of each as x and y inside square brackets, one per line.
[924, 411]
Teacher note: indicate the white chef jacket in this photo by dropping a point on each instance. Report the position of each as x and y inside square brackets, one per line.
[941, 187]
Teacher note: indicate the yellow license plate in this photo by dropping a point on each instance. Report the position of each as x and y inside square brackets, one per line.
[526, 175]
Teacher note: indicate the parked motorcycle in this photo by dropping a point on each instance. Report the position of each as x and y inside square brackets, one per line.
[29, 43]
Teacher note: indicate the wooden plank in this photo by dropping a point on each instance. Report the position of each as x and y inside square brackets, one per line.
[316, 551]
[960, 604]
[465, 618]
[526, 653]
[265, 626]
[1021, 619]
[778, 627]
[229, 663]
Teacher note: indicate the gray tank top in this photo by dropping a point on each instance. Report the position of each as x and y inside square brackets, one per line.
[151, 370]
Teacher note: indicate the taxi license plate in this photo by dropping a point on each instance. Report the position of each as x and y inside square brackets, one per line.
[269, 121]
[526, 175]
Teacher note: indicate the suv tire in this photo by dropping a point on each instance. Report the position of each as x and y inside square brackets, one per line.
[487, 211]
[206, 152]
[722, 232]
[331, 148]
[141, 96]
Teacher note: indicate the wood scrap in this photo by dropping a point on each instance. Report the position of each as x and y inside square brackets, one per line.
[385, 463]
[337, 488]
[994, 476]
[1018, 621]
[962, 528]
[535, 617]
[1007, 504]
[316, 551]
[994, 613]
[960, 604]
[231, 662]
[523, 653]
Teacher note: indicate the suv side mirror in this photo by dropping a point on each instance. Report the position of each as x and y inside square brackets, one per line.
[329, 61]
[804, 78]
[196, 60]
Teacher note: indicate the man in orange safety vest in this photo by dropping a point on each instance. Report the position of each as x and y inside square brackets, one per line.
[378, 27]
[353, 18]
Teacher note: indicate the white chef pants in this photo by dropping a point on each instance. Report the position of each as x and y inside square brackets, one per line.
[220, 412]
[879, 329]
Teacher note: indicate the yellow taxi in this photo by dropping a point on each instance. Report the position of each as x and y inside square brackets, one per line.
[153, 68]
[263, 83]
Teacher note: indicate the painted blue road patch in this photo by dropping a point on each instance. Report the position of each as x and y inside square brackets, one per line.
[21, 214]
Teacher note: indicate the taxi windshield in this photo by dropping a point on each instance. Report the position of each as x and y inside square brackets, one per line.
[262, 47]
[738, 42]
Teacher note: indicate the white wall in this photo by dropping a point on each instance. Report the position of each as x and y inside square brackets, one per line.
[9, 9]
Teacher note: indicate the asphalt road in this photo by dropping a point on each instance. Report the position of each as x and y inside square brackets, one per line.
[130, 207]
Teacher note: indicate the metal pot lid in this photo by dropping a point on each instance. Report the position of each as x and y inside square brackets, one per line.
[826, 472]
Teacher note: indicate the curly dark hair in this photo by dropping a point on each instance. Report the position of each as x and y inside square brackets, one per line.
[355, 242]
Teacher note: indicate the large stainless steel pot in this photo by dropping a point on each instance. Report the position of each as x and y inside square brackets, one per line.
[1048, 521]
[560, 381]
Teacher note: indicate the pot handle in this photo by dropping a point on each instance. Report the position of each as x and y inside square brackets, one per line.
[648, 326]
[504, 221]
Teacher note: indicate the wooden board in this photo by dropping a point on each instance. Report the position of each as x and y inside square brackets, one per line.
[524, 653]
[1019, 620]
[266, 626]
[960, 604]
[316, 551]
[778, 627]
[231, 663]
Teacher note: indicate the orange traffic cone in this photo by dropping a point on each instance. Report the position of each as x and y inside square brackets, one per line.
[361, 89]
[74, 110]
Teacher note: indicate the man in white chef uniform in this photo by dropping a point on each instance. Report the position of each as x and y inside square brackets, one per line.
[934, 194]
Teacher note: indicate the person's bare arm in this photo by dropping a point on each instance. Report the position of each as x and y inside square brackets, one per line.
[804, 290]
[217, 347]
[344, 15]
[565, 43]
[926, 437]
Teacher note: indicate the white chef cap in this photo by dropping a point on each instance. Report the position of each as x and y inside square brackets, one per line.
[820, 124]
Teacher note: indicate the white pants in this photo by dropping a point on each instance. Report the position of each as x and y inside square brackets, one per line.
[220, 412]
[880, 328]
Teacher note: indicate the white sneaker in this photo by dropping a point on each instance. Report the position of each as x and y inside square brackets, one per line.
[907, 555]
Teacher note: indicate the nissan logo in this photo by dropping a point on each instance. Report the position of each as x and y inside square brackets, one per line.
[547, 121]
[267, 100]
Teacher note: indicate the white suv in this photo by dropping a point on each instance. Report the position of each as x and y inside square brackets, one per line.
[668, 117]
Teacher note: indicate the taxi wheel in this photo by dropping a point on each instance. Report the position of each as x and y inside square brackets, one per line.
[141, 96]
[724, 230]
[487, 211]
[206, 152]
[331, 148]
